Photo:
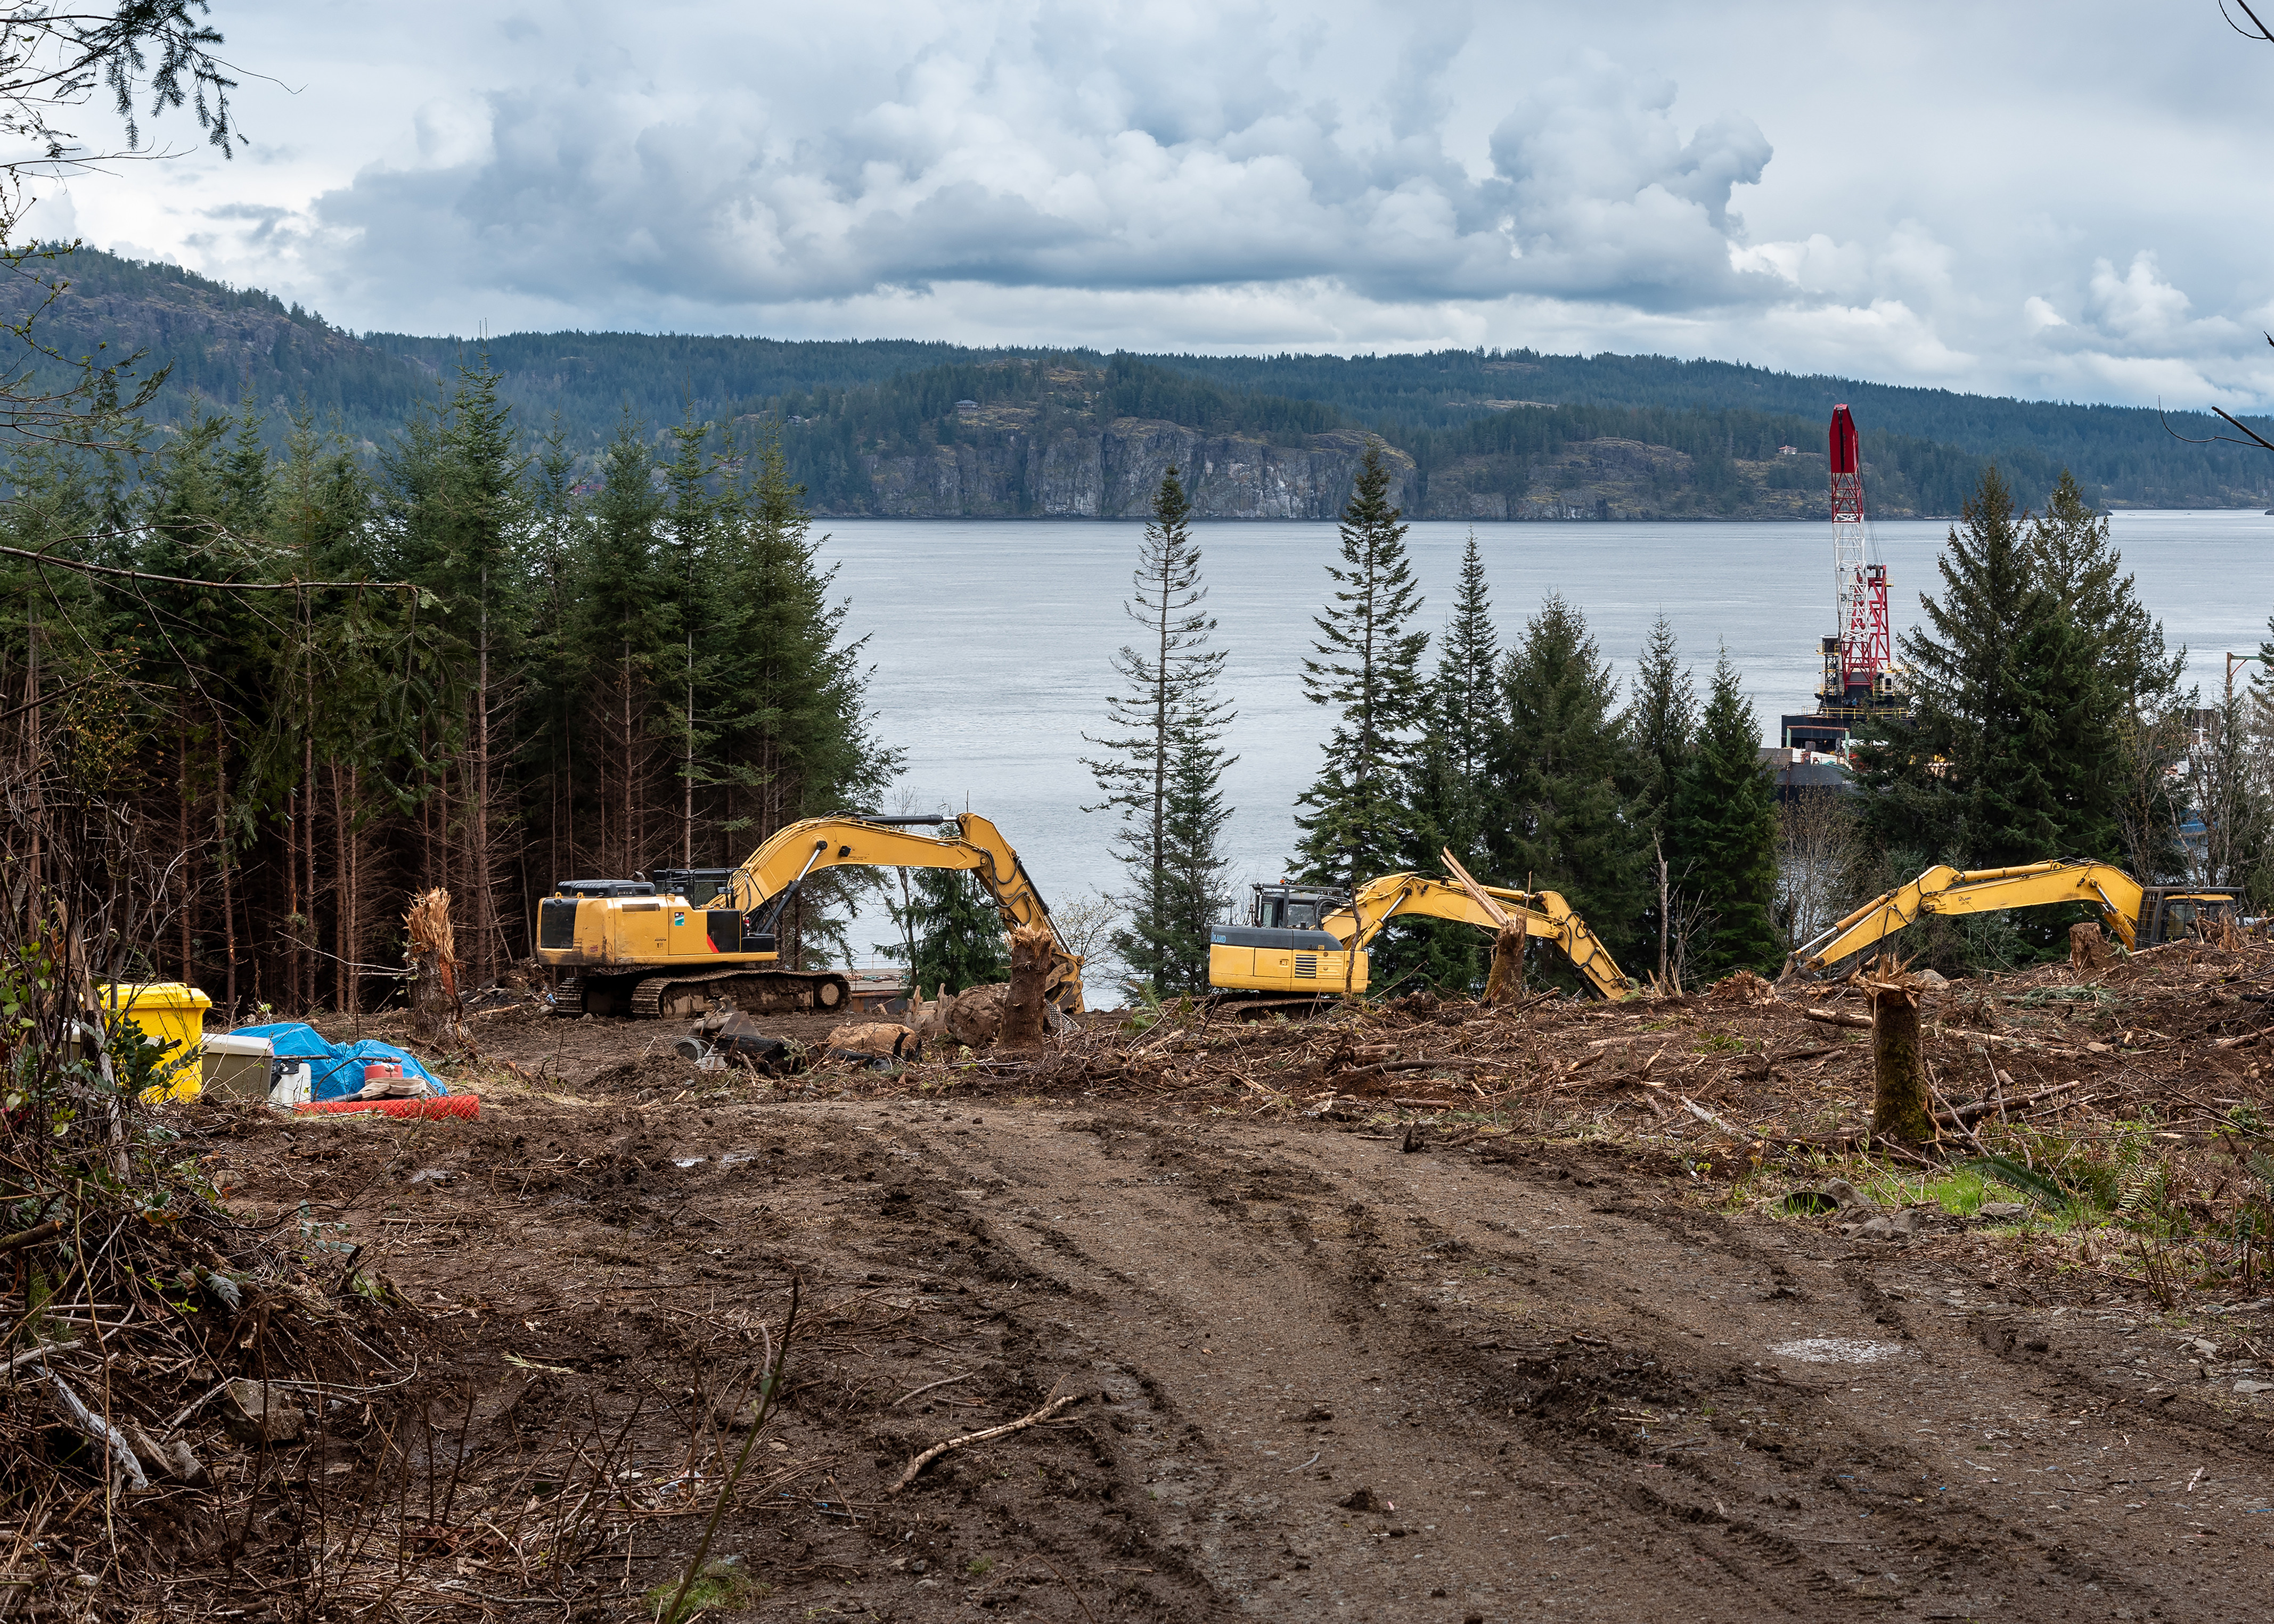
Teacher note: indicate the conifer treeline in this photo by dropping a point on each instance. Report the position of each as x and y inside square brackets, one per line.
[1523, 762]
[482, 674]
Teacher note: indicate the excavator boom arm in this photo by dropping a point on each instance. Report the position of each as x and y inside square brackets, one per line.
[1542, 913]
[797, 849]
[1947, 890]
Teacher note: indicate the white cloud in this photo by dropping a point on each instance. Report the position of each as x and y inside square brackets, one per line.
[1255, 174]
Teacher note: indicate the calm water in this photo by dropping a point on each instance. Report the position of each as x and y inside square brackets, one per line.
[990, 640]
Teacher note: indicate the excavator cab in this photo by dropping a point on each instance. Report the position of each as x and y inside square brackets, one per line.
[699, 886]
[2174, 913]
[1283, 947]
[1293, 907]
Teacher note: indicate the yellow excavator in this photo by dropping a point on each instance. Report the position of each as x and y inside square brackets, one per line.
[2139, 916]
[692, 939]
[1310, 941]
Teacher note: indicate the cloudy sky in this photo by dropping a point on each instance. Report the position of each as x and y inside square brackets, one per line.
[2065, 202]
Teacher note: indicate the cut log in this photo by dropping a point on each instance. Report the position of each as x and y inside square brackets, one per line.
[1901, 1110]
[881, 1040]
[1031, 958]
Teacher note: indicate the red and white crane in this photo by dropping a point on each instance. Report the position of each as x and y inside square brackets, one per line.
[1858, 661]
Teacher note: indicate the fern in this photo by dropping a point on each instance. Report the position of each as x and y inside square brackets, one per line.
[2143, 1189]
[2035, 1185]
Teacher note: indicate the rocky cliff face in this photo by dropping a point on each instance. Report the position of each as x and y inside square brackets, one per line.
[1007, 471]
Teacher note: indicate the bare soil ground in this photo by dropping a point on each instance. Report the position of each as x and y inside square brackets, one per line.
[1342, 1351]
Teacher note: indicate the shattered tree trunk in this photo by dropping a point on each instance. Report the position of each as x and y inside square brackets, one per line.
[1505, 983]
[2088, 948]
[1899, 1108]
[435, 1010]
[1023, 1021]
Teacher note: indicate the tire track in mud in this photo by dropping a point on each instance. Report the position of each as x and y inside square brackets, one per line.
[1555, 1398]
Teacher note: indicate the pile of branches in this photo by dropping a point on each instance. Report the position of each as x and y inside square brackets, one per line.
[166, 1371]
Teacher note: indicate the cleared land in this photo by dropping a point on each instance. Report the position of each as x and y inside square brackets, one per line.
[1438, 1313]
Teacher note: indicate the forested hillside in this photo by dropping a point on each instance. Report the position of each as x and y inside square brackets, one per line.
[1483, 434]
[1070, 436]
[2124, 451]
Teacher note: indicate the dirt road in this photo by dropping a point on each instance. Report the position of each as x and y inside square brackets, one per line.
[1567, 1399]
[1331, 1376]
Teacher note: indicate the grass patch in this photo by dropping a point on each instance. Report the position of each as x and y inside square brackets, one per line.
[721, 1585]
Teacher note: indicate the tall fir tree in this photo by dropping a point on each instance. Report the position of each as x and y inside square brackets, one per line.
[2142, 679]
[482, 496]
[2011, 755]
[802, 741]
[690, 519]
[1194, 895]
[1723, 818]
[1367, 667]
[789, 689]
[1451, 788]
[1564, 823]
[1661, 717]
[625, 621]
[1162, 768]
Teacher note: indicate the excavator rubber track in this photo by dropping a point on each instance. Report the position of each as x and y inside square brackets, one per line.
[750, 991]
[568, 998]
[1244, 1006]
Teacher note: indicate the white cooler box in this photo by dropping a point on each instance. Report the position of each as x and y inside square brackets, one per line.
[245, 1067]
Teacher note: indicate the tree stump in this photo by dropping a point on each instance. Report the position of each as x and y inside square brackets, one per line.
[1032, 951]
[435, 1008]
[2088, 948]
[1901, 1110]
[1505, 984]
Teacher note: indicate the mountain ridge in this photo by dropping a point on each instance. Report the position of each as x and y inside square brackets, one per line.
[1457, 417]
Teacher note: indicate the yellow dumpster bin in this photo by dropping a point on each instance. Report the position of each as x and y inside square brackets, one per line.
[171, 1013]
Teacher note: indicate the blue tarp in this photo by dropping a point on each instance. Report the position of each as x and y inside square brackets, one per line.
[338, 1067]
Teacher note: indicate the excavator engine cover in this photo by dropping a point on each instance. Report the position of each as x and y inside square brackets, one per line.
[1250, 958]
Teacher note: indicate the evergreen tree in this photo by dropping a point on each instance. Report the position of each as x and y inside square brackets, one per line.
[2078, 560]
[626, 628]
[2008, 692]
[1193, 895]
[2075, 556]
[1724, 817]
[690, 517]
[481, 518]
[1662, 716]
[790, 690]
[799, 742]
[1164, 769]
[1451, 777]
[1563, 824]
[959, 934]
[1368, 668]
[558, 658]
